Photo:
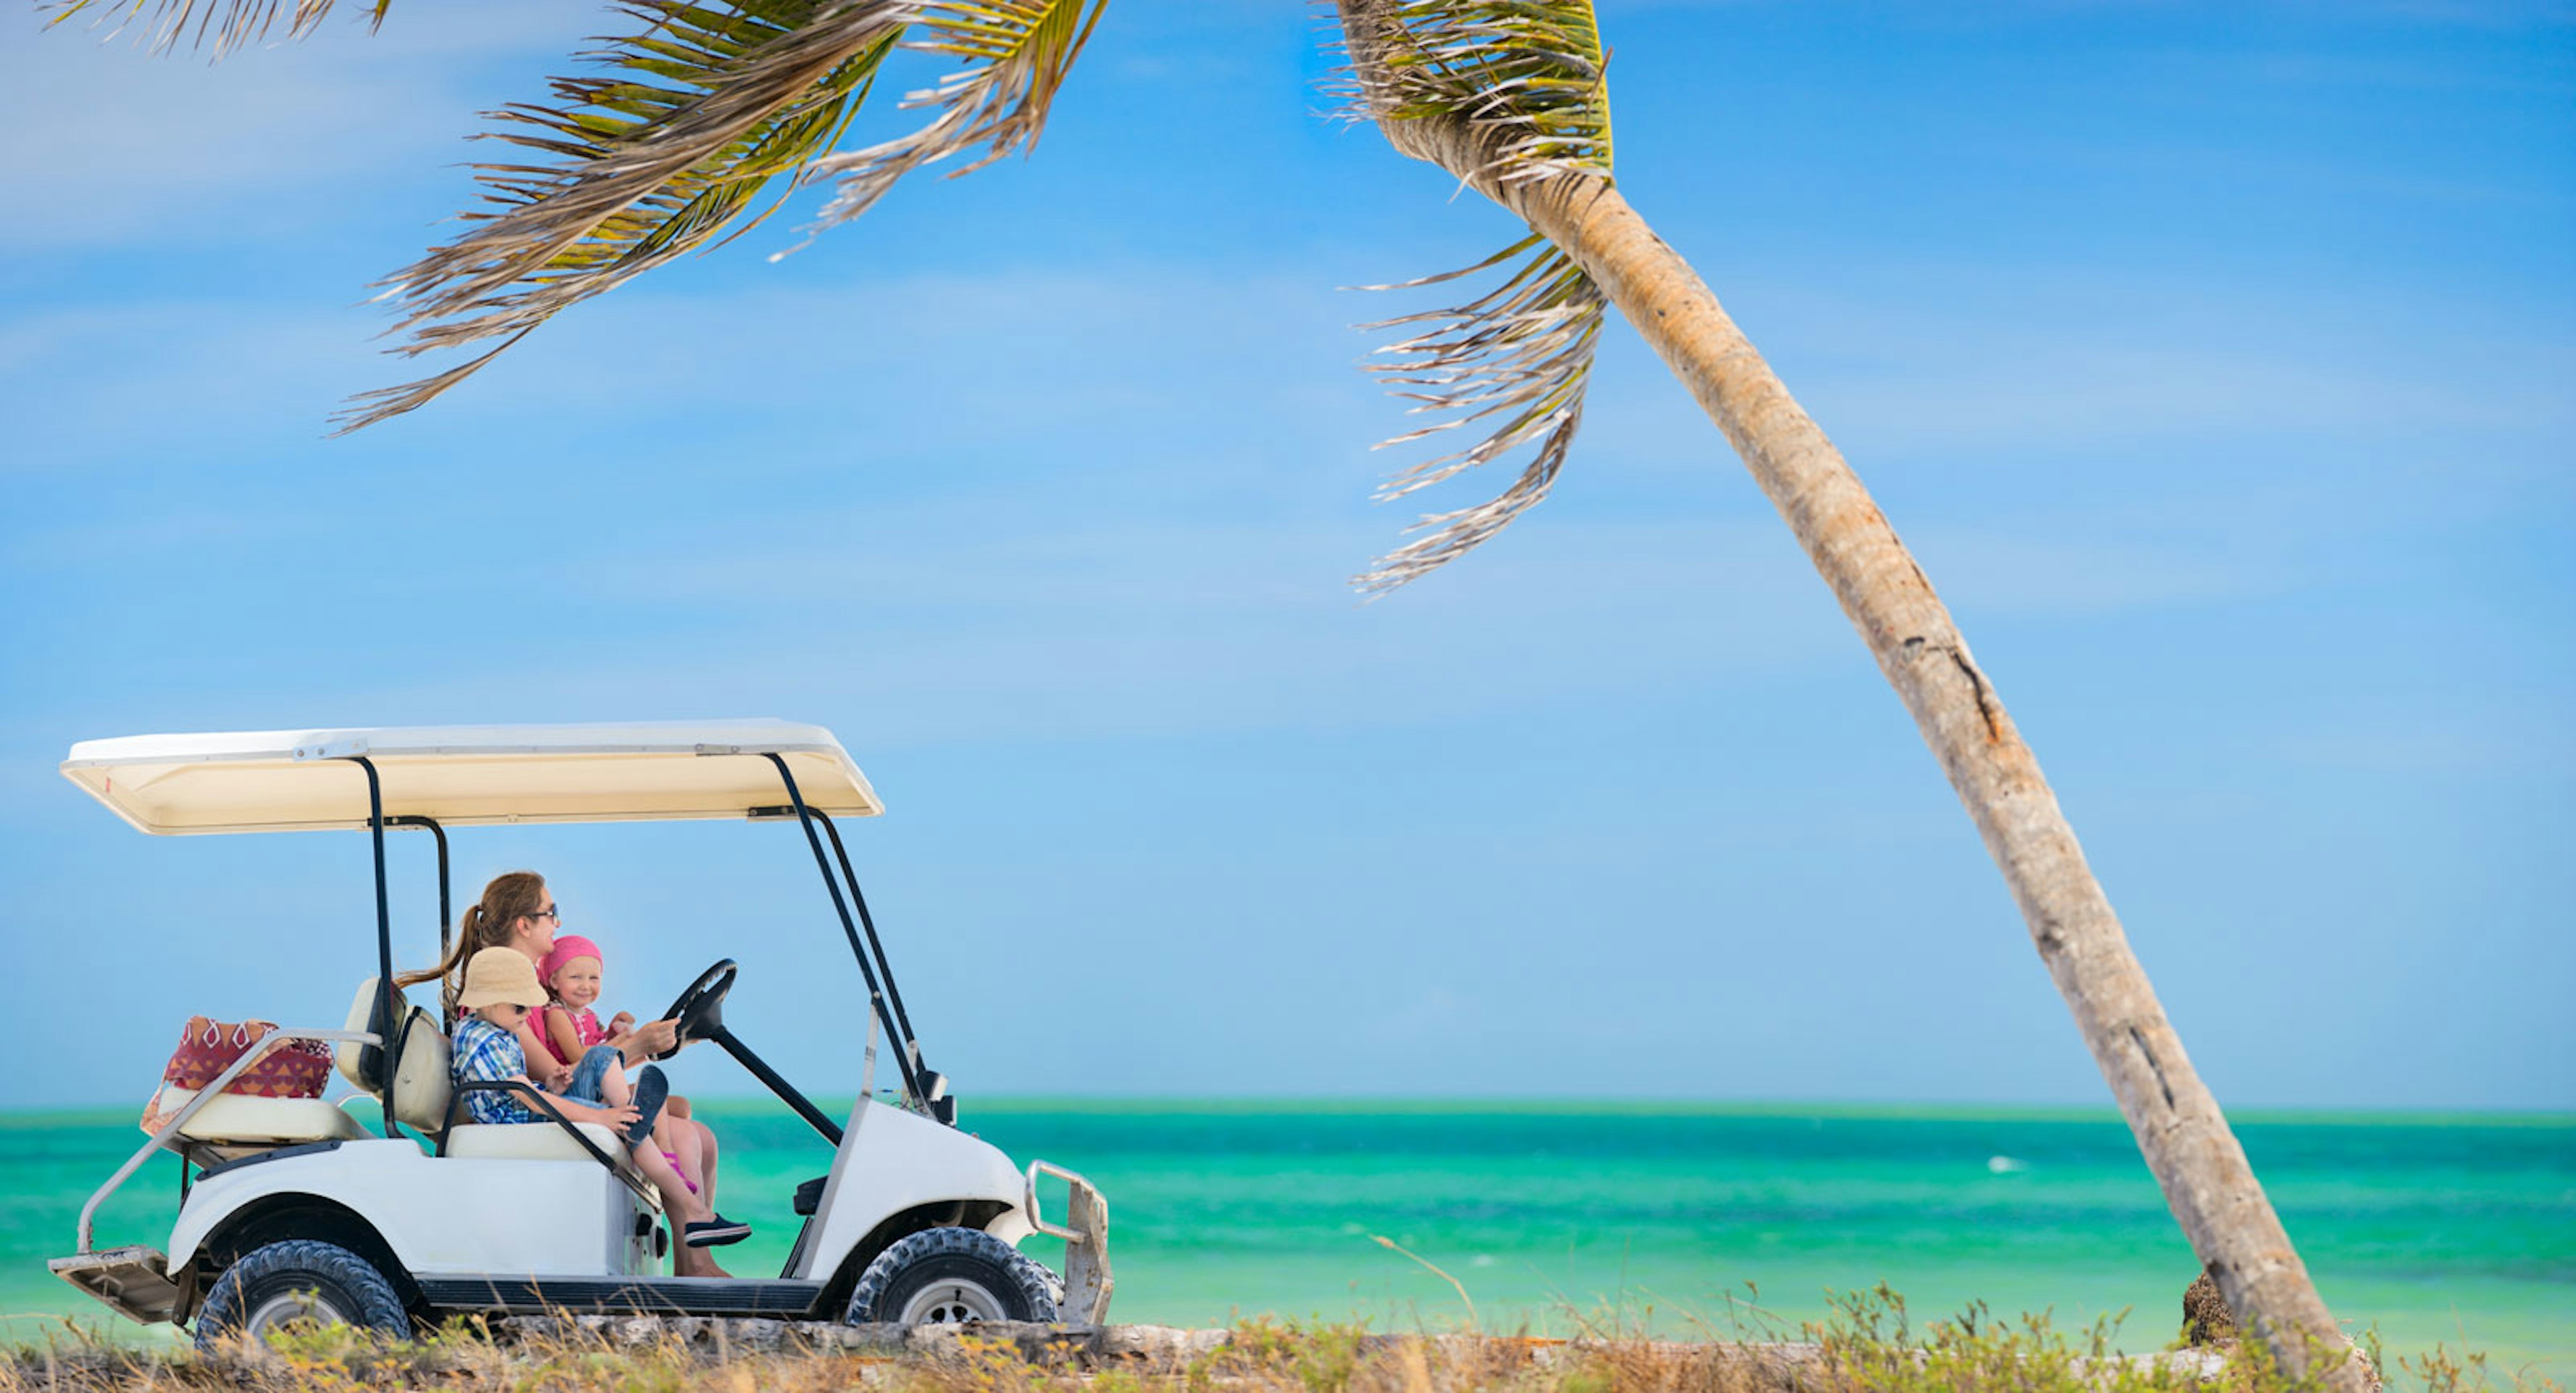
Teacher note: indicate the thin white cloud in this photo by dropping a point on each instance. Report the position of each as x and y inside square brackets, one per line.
[2495, 740]
[999, 356]
[2067, 566]
[938, 368]
[1960, 357]
[135, 158]
[142, 383]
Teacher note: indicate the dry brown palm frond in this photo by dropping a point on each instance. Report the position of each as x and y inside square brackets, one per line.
[1017, 51]
[1522, 85]
[1518, 356]
[702, 108]
[229, 23]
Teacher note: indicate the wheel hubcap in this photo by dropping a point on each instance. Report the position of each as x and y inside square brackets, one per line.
[286, 1308]
[951, 1301]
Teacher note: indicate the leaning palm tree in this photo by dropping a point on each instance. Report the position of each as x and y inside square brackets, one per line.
[1511, 97]
[708, 102]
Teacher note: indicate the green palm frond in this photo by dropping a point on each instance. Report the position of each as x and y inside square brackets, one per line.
[1017, 53]
[699, 111]
[229, 23]
[1531, 75]
[1527, 78]
[1518, 356]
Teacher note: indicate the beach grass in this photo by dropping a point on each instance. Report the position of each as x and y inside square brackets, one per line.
[1870, 1344]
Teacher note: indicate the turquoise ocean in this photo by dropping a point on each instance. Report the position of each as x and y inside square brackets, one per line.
[1680, 1219]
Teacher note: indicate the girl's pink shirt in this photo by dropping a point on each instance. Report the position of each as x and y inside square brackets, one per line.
[585, 1028]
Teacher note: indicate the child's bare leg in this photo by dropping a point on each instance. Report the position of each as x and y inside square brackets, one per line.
[665, 1134]
[682, 1209]
[614, 1088]
[682, 1140]
[678, 1139]
[676, 1199]
[706, 1176]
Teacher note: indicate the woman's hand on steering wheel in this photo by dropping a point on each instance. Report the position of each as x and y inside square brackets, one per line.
[657, 1039]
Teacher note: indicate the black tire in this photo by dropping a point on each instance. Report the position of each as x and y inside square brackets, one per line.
[951, 1275]
[299, 1279]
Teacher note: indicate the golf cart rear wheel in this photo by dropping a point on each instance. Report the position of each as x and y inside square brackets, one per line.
[951, 1276]
[300, 1280]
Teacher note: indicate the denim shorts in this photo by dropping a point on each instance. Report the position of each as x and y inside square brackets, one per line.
[590, 1074]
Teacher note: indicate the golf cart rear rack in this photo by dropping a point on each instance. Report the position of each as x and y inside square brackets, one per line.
[168, 1138]
[135, 1281]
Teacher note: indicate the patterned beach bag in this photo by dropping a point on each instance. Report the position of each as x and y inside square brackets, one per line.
[296, 1069]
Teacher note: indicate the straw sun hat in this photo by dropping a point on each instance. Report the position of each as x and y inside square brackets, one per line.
[500, 974]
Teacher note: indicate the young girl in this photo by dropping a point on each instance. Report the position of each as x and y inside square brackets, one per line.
[570, 1032]
[571, 973]
[499, 991]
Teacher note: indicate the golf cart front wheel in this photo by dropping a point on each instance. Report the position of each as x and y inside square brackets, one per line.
[300, 1280]
[951, 1276]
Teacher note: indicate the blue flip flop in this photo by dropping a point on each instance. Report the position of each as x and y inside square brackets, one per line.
[651, 1091]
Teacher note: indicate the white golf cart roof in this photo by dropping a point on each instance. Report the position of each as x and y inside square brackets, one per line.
[303, 780]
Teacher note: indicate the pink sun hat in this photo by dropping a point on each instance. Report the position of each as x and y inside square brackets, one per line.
[567, 947]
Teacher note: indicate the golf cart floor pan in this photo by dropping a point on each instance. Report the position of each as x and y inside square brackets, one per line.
[131, 1281]
[651, 1296]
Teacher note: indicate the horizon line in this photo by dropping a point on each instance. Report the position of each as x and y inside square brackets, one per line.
[23, 1117]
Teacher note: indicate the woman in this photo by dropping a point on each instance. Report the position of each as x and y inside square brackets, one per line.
[518, 912]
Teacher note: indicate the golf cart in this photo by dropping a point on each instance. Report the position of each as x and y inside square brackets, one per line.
[404, 1212]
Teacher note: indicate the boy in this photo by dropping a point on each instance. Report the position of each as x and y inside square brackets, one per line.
[501, 989]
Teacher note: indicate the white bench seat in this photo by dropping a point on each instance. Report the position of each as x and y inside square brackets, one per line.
[537, 1141]
[241, 1119]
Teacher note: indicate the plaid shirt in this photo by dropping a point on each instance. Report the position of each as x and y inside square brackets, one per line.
[483, 1050]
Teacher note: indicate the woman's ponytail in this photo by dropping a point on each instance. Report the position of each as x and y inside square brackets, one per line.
[485, 924]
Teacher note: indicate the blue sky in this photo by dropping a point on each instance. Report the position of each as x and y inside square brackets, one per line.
[2214, 359]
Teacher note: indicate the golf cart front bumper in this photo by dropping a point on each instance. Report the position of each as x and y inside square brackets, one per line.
[1085, 1231]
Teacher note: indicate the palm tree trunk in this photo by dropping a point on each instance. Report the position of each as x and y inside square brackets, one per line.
[2185, 1138]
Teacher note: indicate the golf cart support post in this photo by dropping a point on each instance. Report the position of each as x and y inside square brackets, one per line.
[899, 1171]
[446, 916]
[387, 1022]
[859, 900]
[907, 1052]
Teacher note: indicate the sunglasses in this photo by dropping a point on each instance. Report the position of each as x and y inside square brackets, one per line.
[547, 913]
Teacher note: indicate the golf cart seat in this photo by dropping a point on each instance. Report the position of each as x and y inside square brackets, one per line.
[539, 1141]
[422, 1089]
[237, 1123]
[420, 1077]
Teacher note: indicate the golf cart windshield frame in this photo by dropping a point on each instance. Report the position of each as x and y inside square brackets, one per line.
[885, 1002]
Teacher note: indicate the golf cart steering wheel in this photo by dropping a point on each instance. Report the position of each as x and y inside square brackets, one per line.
[699, 1013]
